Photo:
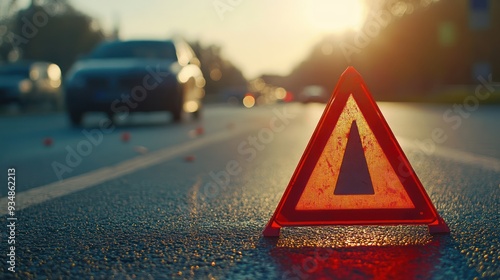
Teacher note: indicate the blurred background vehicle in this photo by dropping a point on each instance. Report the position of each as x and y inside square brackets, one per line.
[29, 83]
[314, 93]
[234, 95]
[136, 76]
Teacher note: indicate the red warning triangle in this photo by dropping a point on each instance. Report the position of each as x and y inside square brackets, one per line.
[353, 171]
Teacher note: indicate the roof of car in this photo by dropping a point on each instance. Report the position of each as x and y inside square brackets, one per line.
[138, 41]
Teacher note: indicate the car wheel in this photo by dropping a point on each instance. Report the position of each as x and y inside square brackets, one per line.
[111, 117]
[75, 118]
[178, 109]
[197, 114]
[56, 104]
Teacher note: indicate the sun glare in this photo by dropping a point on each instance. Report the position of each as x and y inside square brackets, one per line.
[336, 15]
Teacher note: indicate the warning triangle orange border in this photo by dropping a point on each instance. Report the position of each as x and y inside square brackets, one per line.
[286, 214]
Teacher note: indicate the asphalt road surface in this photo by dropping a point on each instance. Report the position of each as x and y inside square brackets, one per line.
[149, 199]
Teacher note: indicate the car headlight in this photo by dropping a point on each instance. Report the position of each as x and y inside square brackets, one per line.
[25, 86]
[183, 76]
[175, 67]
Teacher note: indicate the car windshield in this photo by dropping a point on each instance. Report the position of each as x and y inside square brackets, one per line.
[136, 49]
[15, 70]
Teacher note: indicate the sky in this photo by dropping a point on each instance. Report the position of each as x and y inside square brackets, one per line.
[258, 36]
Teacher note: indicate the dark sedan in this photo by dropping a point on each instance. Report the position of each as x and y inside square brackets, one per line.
[136, 76]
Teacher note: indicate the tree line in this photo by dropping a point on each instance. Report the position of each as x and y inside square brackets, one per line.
[406, 50]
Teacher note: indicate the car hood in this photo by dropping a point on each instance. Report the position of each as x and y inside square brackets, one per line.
[10, 81]
[112, 66]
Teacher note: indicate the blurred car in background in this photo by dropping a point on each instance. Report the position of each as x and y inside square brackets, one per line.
[250, 97]
[314, 93]
[30, 82]
[234, 95]
[136, 76]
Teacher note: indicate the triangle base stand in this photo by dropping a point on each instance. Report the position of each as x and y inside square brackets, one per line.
[272, 229]
[438, 227]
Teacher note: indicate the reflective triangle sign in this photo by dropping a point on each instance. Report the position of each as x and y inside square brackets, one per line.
[353, 171]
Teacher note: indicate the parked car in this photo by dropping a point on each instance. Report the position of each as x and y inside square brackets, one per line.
[136, 76]
[30, 82]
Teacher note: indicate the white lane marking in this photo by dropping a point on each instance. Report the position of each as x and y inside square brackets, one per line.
[61, 188]
[457, 155]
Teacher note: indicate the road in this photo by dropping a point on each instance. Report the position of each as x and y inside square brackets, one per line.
[190, 200]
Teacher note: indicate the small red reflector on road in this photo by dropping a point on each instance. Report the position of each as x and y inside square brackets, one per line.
[125, 137]
[190, 158]
[197, 132]
[231, 126]
[47, 142]
[200, 130]
[353, 171]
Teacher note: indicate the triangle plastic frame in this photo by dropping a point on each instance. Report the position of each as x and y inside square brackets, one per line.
[286, 214]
